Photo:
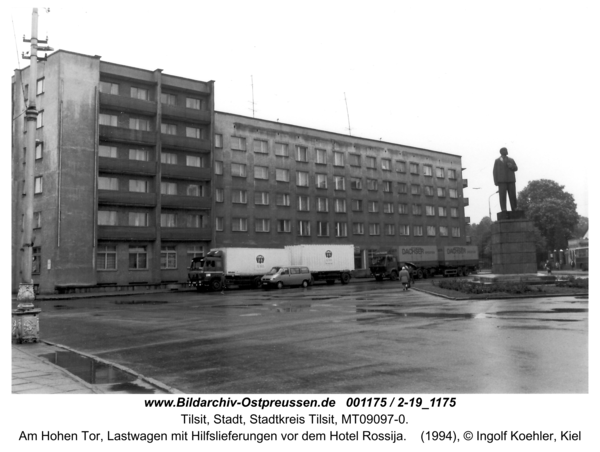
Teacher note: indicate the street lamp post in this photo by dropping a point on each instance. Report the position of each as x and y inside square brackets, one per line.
[490, 205]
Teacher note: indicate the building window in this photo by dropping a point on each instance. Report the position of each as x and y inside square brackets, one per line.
[387, 186]
[439, 172]
[168, 158]
[107, 218]
[430, 211]
[356, 183]
[195, 161]
[322, 229]
[403, 209]
[168, 129]
[195, 251]
[108, 183]
[138, 185]
[402, 188]
[39, 150]
[168, 188]
[301, 154]
[261, 172]
[38, 185]
[322, 204]
[321, 156]
[39, 87]
[219, 223]
[261, 198]
[219, 195]
[417, 209]
[357, 205]
[262, 225]
[418, 231]
[374, 229]
[284, 225]
[238, 144]
[444, 231]
[138, 219]
[168, 220]
[451, 174]
[40, 119]
[388, 207]
[339, 182]
[386, 164]
[415, 189]
[453, 193]
[373, 206]
[139, 93]
[107, 151]
[195, 221]
[428, 190]
[301, 179]
[304, 228]
[194, 132]
[239, 224]
[341, 229]
[339, 205]
[218, 140]
[442, 212]
[453, 212]
[303, 203]
[431, 231]
[358, 229]
[138, 258]
[281, 150]
[139, 154]
[389, 229]
[372, 184]
[238, 170]
[371, 162]
[414, 168]
[441, 192]
[139, 124]
[194, 190]
[400, 166]
[168, 257]
[404, 229]
[107, 120]
[195, 104]
[428, 170]
[109, 88]
[168, 99]
[36, 253]
[239, 196]
[106, 257]
[455, 232]
[283, 199]
[260, 147]
[282, 175]
[354, 159]
[338, 159]
[321, 180]
[218, 167]
[37, 220]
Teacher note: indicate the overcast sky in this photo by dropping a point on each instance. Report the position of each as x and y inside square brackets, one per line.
[461, 77]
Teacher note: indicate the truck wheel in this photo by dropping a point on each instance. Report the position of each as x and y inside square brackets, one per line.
[305, 283]
[280, 285]
[257, 283]
[419, 273]
[345, 278]
[215, 284]
[394, 276]
[331, 281]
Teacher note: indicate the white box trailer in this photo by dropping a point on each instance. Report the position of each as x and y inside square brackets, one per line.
[418, 254]
[326, 262]
[464, 255]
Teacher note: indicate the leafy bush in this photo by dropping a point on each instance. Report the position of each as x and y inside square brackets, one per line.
[469, 287]
[576, 283]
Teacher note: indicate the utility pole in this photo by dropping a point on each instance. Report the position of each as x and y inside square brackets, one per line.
[348, 115]
[252, 84]
[25, 317]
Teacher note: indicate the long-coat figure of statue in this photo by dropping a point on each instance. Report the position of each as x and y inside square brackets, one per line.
[504, 179]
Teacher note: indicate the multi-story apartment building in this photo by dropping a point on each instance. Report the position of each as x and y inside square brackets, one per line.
[136, 173]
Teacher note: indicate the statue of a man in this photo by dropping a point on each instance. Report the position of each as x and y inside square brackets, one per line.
[504, 179]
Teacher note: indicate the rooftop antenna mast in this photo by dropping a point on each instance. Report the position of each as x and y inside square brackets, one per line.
[252, 85]
[348, 115]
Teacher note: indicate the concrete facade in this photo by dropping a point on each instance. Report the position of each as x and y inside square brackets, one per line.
[140, 174]
[513, 247]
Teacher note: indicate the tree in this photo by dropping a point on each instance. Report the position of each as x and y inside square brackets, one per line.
[481, 236]
[552, 210]
[582, 227]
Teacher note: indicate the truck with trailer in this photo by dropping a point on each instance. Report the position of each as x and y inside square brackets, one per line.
[426, 261]
[245, 267]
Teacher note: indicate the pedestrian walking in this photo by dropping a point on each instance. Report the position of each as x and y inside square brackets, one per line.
[223, 283]
[549, 266]
[404, 278]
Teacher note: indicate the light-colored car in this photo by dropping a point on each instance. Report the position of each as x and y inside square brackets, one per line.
[294, 275]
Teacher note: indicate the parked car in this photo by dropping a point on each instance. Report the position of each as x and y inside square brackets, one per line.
[293, 275]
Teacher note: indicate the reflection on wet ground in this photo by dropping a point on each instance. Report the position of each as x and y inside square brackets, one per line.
[111, 378]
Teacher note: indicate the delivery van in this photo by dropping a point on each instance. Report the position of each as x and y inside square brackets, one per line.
[293, 275]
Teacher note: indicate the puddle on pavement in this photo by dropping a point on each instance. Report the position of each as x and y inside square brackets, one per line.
[254, 305]
[140, 302]
[111, 378]
[551, 311]
[298, 308]
[62, 306]
[435, 315]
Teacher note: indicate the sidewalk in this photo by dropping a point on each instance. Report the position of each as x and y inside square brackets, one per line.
[34, 375]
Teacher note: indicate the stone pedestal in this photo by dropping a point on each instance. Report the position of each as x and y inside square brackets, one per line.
[26, 325]
[513, 245]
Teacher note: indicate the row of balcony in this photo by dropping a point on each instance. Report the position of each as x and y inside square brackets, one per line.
[144, 138]
[135, 199]
[147, 234]
[123, 166]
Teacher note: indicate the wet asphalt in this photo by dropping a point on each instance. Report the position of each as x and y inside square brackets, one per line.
[361, 338]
